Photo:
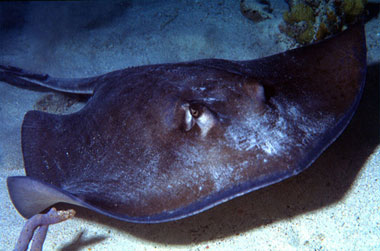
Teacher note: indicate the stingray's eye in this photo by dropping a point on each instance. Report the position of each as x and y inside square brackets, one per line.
[198, 114]
[189, 119]
[195, 110]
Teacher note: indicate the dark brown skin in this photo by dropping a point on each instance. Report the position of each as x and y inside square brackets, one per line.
[162, 142]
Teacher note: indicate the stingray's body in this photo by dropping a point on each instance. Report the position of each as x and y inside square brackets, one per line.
[161, 142]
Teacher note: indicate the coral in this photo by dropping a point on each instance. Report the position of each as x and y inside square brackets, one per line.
[353, 8]
[302, 17]
[40, 224]
[309, 20]
[300, 12]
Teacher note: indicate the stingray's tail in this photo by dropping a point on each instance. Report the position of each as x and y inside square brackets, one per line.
[19, 77]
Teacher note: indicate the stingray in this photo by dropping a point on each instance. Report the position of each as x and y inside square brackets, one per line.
[162, 142]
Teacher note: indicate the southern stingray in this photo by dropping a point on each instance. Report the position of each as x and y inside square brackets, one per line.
[162, 142]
